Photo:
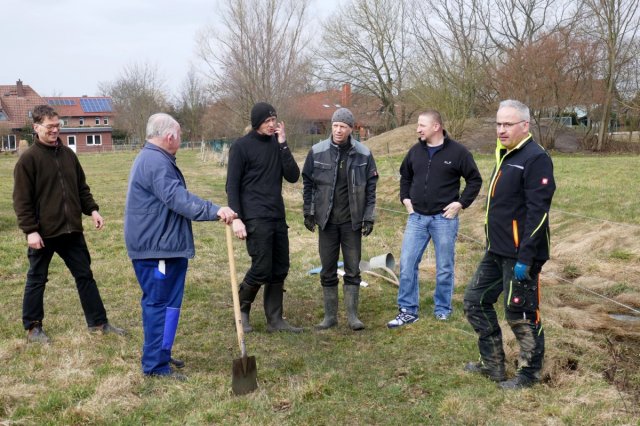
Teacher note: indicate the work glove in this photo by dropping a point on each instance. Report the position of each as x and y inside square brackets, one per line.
[367, 227]
[521, 271]
[310, 222]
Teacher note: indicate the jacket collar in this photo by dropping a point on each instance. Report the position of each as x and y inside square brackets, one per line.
[502, 151]
[46, 145]
[153, 147]
[446, 142]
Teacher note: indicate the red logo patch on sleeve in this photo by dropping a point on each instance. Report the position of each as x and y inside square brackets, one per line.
[545, 181]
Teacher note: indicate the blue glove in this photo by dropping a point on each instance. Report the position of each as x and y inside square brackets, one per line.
[521, 271]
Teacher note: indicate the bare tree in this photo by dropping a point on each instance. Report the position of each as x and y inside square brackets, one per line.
[453, 53]
[513, 23]
[365, 44]
[136, 94]
[257, 55]
[191, 105]
[551, 75]
[615, 24]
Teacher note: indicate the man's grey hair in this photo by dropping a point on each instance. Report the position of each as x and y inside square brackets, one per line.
[517, 105]
[160, 125]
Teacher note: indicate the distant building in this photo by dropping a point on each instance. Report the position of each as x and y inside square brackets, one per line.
[16, 105]
[316, 109]
[87, 122]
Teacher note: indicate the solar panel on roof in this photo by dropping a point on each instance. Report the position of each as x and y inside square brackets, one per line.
[96, 104]
[60, 102]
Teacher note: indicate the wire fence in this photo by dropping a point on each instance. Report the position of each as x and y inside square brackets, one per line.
[551, 274]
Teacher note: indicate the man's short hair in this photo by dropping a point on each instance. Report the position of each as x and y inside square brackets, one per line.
[41, 112]
[160, 125]
[434, 115]
[517, 105]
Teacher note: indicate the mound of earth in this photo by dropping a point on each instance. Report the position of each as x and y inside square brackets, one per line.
[479, 136]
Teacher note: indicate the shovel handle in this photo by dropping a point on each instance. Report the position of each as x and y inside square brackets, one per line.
[234, 292]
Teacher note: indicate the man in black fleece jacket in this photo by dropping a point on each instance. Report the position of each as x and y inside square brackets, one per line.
[257, 163]
[430, 190]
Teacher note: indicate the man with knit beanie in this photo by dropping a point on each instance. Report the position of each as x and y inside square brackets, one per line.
[339, 194]
[257, 163]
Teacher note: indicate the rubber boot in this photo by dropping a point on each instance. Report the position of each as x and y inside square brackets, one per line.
[351, 293]
[247, 294]
[330, 295]
[273, 309]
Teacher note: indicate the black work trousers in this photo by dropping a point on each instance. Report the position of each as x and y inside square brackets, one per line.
[268, 246]
[72, 248]
[521, 302]
[333, 238]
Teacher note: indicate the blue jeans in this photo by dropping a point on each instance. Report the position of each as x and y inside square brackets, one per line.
[162, 290]
[419, 231]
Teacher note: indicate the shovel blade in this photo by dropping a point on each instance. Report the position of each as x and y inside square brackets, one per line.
[244, 375]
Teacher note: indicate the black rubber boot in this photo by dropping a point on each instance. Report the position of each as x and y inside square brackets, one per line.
[247, 294]
[273, 309]
[351, 293]
[330, 295]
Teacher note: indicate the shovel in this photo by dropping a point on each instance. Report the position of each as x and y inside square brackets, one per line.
[244, 371]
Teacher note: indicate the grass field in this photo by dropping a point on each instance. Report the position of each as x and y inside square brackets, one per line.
[409, 376]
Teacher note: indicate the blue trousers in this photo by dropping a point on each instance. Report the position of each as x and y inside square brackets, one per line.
[419, 231]
[162, 284]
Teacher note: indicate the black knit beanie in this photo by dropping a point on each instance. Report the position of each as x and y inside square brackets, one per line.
[260, 112]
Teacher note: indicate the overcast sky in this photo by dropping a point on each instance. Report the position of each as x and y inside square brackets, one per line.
[66, 47]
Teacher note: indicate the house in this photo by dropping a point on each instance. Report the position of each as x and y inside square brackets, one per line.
[87, 122]
[315, 110]
[16, 104]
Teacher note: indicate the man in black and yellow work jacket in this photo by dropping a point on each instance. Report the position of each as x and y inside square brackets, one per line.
[517, 230]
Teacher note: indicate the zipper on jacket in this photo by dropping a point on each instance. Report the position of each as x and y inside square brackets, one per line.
[426, 177]
[495, 183]
[64, 188]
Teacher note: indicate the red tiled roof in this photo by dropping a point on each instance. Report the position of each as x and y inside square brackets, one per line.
[75, 110]
[320, 106]
[17, 108]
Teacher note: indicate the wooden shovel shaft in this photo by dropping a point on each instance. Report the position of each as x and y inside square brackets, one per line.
[234, 291]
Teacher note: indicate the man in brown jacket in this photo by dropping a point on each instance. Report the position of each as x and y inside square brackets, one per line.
[50, 195]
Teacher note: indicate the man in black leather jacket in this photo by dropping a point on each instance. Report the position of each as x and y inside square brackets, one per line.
[339, 178]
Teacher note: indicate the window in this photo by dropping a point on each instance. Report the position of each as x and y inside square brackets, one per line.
[71, 140]
[105, 121]
[3, 116]
[97, 120]
[82, 121]
[94, 140]
[9, 143]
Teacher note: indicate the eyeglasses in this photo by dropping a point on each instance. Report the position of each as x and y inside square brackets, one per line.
[51, 126]
[507, 126]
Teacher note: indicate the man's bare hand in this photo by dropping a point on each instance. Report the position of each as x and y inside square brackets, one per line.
[35, 240]
[226, 215]
[98, 221]
[239, 229]
[451, 210]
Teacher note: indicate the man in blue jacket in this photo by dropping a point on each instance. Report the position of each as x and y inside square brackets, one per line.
[340, 177]
[159, 239]
[430, 191]
[517, 231]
